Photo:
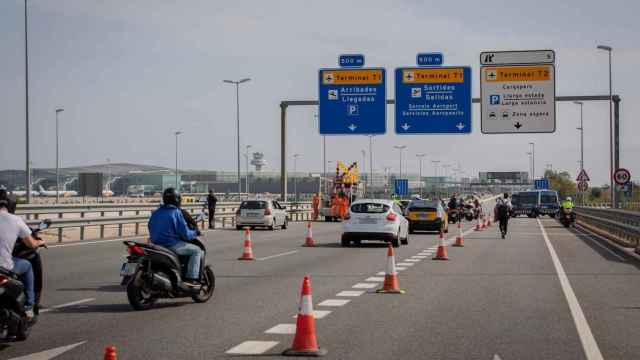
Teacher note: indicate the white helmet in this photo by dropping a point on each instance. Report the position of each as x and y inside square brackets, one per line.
[568, 198]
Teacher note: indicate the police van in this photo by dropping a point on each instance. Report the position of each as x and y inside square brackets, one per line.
[535, 202]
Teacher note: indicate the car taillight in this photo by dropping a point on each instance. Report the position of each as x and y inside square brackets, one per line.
[392, 217]
[347, 217]
[135, 250]
[267, 211]
[3, 279]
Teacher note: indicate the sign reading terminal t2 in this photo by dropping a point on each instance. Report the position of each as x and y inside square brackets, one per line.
[352, 101]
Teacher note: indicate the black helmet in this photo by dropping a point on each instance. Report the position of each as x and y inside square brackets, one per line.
[506, 195]
[171, 197]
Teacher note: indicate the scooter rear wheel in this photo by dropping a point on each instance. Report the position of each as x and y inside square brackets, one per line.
[138, 298]
[207, 287]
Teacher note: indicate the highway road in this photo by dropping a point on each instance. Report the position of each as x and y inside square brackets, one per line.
[545, 292]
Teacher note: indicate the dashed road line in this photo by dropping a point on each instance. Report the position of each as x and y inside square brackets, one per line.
[364, 286]
[78, 302]
[350, 293]
[252, 347]
[334, 302]
[318, 314]
[412, 260]
[278, 255]
[282, 329]
[404, 264]
[381, 273]
[374, 278]
[400, 268]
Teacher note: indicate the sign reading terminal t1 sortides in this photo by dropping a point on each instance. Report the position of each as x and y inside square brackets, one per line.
[352, 101]
[433, 100]
[517, 90]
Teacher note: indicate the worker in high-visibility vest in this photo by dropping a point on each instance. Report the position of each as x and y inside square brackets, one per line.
[344, 206]
[335, 212]
[315, 204]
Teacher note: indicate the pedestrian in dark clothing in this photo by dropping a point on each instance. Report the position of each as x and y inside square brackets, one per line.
[502, 211]
[211, 204]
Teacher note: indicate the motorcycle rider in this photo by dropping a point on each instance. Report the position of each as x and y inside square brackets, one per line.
[502, 211]
[13, 227]
[168, 228]
[567, 204]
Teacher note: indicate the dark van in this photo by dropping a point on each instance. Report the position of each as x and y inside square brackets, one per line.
[535, 202]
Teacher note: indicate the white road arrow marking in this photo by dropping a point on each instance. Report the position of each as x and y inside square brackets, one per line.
[406, 126]
[353, 127]
[460, 126]
[497, 357]
[49, 354]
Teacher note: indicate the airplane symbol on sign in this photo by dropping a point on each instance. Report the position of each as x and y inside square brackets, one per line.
[491, 74]
[328, 78]
[408, 76]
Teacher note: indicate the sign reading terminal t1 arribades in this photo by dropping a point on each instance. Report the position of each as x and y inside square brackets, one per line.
[518, 92]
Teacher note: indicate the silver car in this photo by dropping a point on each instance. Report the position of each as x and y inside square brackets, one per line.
[261, 213]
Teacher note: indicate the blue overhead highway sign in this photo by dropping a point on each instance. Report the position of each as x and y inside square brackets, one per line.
[351, 60]
[433, 100]
[541, 184]
[429, 59]
[352, 101]
[401, 187]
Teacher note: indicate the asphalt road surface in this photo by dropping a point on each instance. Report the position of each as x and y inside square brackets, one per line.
[544, 292]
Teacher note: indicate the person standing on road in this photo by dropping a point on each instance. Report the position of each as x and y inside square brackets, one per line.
[315, 203]
[502, 211]
[212, 200]
[13, 227]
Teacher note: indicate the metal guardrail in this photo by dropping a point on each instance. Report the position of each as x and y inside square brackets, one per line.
[225, 214]
[621, 226]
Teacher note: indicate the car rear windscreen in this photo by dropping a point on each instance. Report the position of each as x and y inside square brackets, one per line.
[549, 197]
[369, 208]
[528, 198]
[253, 205]
[423, 206]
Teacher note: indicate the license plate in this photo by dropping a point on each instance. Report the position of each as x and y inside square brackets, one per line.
[368, 221]
[253, 215]
[128, 269]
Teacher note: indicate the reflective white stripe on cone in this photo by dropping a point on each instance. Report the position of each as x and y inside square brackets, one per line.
[391, 283]
[308, 241]
[305, 342]
[441, 253]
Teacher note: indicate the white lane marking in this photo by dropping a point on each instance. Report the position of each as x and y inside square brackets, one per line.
[412, 260]
[252, 347]
[282, 329]
[496, 357]
[78, 302]
[334, 302]
[589, 343]
[381, 273]
[318, 314]
[364, 286]
[350, 293]
[49, 354]
[278, 255]
[405, 264]
[591, 238]
[400, 268]
[374, 278]
[419, 257]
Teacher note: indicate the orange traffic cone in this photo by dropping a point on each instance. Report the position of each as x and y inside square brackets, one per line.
[484, 223]
[247, 253]
[459, 239]
[305, 342]
[308, 241]
[391, 285]
[110, 353]
[478, 228]
[441, 253]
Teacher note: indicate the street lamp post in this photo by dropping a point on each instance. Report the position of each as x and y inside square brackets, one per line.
[400, 148]
[435, 173]
[364, 156]
[609, 49]
[371, 161]
[58, 111]
[108, 174]
[26, 109]
[295, 179]
[420, 156]
[246, 155]
[533, 160]
[237, 84]
[581, 128]
[177, 133]
[530, 167]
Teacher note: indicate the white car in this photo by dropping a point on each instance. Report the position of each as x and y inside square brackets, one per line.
[372, 219]
[261, 213]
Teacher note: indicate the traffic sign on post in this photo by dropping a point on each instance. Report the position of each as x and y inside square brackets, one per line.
[583, 186]
[429, 59]
[621, 176]
[352, 101]
[517, 91]
[541, 184]
[351, 60]
[401, 187]
[583, 176]
[433, 100]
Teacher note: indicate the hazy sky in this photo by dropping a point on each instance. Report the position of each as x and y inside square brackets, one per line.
[130, 72]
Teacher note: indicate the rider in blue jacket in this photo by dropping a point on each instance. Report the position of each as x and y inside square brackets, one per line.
[168, 228]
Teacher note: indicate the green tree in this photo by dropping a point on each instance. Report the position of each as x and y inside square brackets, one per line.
[561, 182]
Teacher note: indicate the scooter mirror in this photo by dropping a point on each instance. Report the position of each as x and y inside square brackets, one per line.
[44, 224]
